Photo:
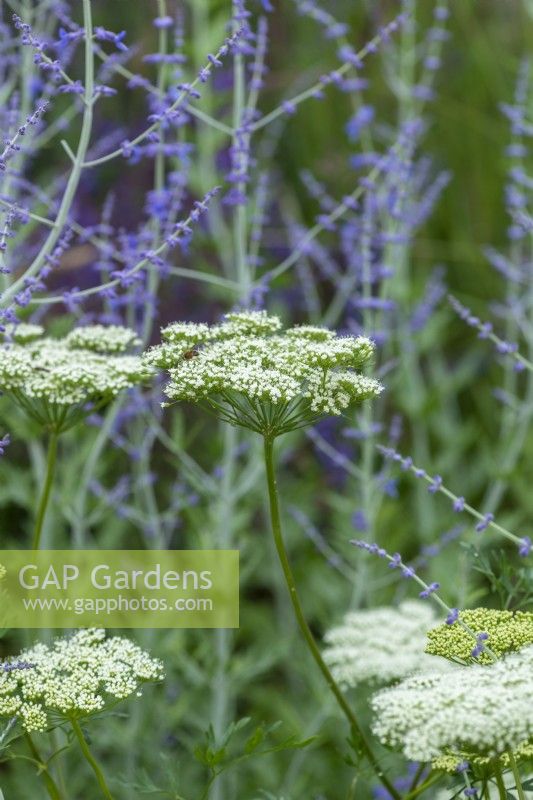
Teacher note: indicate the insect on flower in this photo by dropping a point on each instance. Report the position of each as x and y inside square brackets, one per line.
[188, 354]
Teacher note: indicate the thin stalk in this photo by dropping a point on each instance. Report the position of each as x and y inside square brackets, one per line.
[430, 780]
[51, 786]
[223, 696]
[417, 776]
[502, 791]
[159, 180]
[47, 488]
[239, 216]
[77, 166]
[87, 473]
[516, 775]
[91, 759]
[302, 622]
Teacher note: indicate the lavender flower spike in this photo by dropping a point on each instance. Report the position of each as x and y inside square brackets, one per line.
[436, 486]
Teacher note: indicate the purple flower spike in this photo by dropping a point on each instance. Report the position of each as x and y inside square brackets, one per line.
[484, 523]
[4, 442]
[459, 504]
[433, 587]
[435, 485]
[525, 546]
[163, 22]
[453, 616]
[396, 561]
[480, 647]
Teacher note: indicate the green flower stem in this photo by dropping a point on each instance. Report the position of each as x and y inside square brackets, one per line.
[47, 488]
[502, 791]
[91, 759]
[302, 622]
[417, 777]
[430, 780]
[51, 786]
[516, 775]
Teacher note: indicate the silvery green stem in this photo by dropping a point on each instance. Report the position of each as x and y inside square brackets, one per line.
[302, 622]
[159, 177]
[222, 699]
[88, 471]
[47, 488]
[77, 164]
[239, 219]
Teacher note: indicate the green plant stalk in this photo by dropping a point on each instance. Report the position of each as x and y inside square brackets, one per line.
[91, 759]
[430, 780]
[159, 178]
[51, 786]
[77, 166]
[302, 622]
[502, 791]
[516, 775]
[47, 488]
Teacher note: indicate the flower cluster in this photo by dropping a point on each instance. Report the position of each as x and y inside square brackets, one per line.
[88, 365]
[380, 645]
[248, 362]
[474, 712]
[74, 678]
[505, 631]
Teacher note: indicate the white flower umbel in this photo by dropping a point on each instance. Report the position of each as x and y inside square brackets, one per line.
[52, 379]
[381, 645]
[57, 382]
[253, 374]
[74, 678]
[478, 711]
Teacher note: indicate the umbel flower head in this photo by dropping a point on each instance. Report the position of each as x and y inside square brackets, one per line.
[75, 677]
[53, 379]
[252, 373]
[506, 631]
[473, 712]
[380, 645]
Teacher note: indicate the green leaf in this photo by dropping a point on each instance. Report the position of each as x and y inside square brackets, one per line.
[257, 737]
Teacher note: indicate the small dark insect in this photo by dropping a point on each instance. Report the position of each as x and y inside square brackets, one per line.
[190, 354]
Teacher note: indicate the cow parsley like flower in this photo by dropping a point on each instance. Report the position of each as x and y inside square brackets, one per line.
[505, 631]
[380, 645]
[53, 379]
[472, 713]
[253, 374]
[74, 678]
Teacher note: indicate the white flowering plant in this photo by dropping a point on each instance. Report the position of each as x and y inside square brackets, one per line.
[380, 645]
[251, 373]
[71, 681]
[480, 715]
[58, 381]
